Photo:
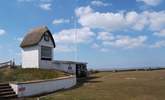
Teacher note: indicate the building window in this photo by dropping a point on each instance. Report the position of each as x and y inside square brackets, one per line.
[70, 67]
[46, 37]
[46, 53]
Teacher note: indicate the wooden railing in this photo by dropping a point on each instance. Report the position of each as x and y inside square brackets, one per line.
[7, 64]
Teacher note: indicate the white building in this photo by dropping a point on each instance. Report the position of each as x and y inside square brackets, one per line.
[37, 52]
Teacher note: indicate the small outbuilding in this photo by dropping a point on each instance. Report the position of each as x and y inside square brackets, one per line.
[37, 52]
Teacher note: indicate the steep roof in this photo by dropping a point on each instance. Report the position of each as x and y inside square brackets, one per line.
[34, 37]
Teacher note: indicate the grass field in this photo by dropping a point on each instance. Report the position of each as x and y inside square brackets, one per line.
[21, 75]
[135, 85]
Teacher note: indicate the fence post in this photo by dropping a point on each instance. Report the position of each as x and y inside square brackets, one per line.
[13, 63]
[10, 62]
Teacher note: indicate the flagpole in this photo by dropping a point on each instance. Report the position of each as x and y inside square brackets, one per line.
[75, 36]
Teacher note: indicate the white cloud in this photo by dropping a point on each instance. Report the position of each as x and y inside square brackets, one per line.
[45, 6]
[2, 32]
[34, 0]
[99, 3]
[126, 41]
[110, 21]
[68, 38]
[105, 36]
[60, 21]
[150, 2]
[161, 33]
[83, 11]
[25, 0]
[104, 50]
[137, 21]
[156, 19]
[99, 47]
[108, 40]
[65, 48]
[46, 0]
[95, 46]
[18, 54]
[20, 39]
[159, 44]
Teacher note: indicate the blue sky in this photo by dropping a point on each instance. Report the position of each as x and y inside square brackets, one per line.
[110, 33]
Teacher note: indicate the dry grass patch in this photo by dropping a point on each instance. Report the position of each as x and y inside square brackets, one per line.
[139, 85]
[21, 75]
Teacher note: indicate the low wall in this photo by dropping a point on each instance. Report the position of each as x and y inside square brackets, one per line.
[24, 89]
[65, 67]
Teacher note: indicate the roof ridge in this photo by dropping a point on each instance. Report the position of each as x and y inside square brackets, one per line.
[37, 28]
[34, 36]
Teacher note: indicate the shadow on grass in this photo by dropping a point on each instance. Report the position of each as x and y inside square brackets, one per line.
[82, 81]
[90, 79]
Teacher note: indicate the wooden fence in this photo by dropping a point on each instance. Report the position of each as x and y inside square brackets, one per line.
[8, 64]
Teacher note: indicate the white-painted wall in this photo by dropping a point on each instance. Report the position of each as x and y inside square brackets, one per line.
[30, 57]
[58, 66]
[46, 86]
[46, 43]
[45, 63]
[64, 67]
[14, 87]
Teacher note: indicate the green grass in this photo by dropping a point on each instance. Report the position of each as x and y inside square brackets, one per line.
[21, 75]
[135, 85]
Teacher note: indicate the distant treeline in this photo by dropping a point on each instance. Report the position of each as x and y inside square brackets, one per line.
[124, 70]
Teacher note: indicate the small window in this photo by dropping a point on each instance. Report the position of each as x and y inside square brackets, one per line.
[46, 53]
[46, 37]
[69, 68]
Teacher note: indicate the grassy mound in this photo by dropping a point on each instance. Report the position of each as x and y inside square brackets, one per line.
[21, 75]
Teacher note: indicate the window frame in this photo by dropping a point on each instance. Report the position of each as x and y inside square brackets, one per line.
[44, 56]
[46, 37]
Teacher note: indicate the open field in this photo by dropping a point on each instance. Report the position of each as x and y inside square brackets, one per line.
[21, 75]
[135, 85]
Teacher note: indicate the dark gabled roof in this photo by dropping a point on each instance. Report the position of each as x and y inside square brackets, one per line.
[34, 37]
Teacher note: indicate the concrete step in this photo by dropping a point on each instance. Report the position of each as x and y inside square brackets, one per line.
[6, 89]
[4, 84]
[10, 96]
[7, 93]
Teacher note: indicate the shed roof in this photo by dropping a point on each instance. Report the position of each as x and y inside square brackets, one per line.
[68, 62]
[34, 36]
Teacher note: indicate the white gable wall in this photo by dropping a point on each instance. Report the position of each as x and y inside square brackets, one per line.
[30, 57]
[46, 43]
[45, 63]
